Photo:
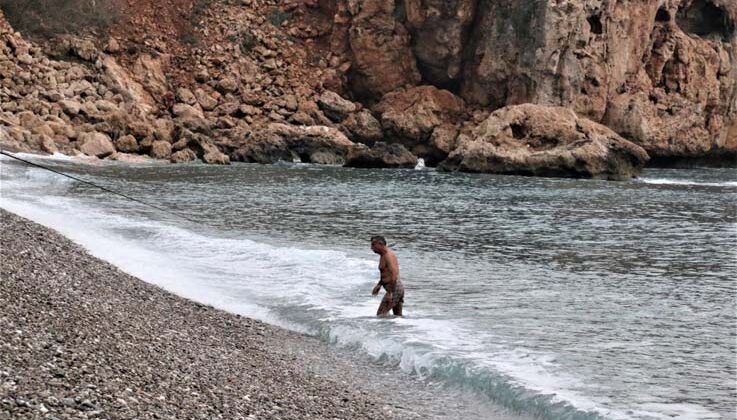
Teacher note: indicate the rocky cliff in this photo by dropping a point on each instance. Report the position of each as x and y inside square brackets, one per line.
[310, 80]
[662, 73]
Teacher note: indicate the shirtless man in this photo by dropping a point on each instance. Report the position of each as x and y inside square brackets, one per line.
[389, 269]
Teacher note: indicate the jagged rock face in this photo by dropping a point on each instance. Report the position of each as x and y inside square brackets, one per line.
[660, 72]
[381, 155]
[415, 117]
[545, 141]
[438, 29]
[281, 142]
[378, 45]
[682, 102]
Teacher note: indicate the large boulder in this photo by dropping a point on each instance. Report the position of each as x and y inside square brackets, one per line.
[83, 48]
[282, 142]
[183, 156]
[216, 157]
[160, 149]
[363, 127]
[262, 147]
[334, 106]
[381, 155]
[201, 146]
[126, 144]
[545, 141]
[95, 144]
[411, 116]
[187, 112]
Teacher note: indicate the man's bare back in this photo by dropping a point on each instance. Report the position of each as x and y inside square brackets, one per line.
[389, 279]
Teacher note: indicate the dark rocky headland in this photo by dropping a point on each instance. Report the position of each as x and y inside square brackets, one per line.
[605, 86]
[81, 339]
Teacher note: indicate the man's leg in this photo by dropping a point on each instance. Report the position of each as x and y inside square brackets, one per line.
[397, 309]
[384, 307]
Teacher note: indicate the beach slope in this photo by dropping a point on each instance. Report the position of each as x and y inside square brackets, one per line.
[81, 339]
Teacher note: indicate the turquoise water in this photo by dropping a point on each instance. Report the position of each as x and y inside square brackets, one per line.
[554, 298]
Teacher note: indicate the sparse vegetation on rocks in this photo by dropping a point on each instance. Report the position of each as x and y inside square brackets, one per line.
[47, 18]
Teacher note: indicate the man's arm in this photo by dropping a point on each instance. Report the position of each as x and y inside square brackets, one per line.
[377, 289]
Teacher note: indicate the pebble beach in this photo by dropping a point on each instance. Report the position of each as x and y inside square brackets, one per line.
[82, 339]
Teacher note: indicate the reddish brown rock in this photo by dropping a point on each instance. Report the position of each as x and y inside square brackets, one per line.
[545, 141]
[363, 127]
[683, 100]
[439, 31]
[95, 144]
[126, 144]
[160, 149]
[216, 157]
[378, 46]
[410, 117]
[183, 156]
[282, 142]
[129, 158]
[381, 155]
[334, 106]
[661, 73]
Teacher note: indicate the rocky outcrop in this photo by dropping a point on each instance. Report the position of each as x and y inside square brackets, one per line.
[281, 142]
[683, 100]
[662, 73]
[439, 30]
[335, 107]
[68, 106]
[377, 45]
[363, 127]
[381, 155]
[183, 156]
[411, 117]
[545, 141]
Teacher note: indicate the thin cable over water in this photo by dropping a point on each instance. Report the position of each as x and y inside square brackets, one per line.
[3, 152]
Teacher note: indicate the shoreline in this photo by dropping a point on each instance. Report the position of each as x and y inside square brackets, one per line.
[84, 339]
[697, 162]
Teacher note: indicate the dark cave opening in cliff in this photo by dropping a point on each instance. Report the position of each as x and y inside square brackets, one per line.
[519, 131]
[662, 15]
[703, 18]
[595, 24]
[438, 78]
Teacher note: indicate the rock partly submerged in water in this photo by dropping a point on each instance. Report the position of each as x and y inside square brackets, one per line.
[131, 158]
[545, 141]
[381, 155]
[282, 142]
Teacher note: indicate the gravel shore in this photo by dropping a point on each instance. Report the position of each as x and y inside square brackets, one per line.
[81, 339]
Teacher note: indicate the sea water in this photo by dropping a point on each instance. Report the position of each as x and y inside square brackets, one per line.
[552, 298]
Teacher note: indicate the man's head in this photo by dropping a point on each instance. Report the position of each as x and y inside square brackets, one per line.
[378, 244]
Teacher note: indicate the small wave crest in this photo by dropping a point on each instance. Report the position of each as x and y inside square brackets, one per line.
[685, 182]
[432, 363]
